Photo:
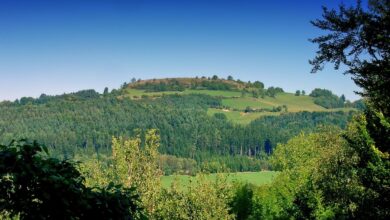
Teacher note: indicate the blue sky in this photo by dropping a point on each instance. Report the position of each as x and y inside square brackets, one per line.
[54, 47]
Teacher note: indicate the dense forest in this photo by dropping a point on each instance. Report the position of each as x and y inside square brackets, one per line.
[86, 121]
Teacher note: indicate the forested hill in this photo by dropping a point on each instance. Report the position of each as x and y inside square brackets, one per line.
[195, 126]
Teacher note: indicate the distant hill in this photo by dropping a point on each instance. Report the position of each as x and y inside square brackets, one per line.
[203, 123]
[242, 102]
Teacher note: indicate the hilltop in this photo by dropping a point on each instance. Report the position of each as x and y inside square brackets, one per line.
[187, 82]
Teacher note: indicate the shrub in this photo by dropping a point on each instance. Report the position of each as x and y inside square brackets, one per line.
[35, 186]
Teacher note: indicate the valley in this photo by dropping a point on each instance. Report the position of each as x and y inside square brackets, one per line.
[195, 110]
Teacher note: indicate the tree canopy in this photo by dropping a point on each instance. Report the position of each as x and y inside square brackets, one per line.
[358, 38]
[34, 186]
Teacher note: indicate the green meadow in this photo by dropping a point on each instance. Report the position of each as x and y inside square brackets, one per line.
[240, 117]
[234, 100]
[256, 178]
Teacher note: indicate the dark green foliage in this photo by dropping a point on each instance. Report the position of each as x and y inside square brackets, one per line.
[353, 180]
[236, 163]
[180, 85]
[279, 129]
[327, 99]
[171, 85]
[26, 100]
[297, 93]
[220, 116]
[371, 144]
[105, 92]
[43, 98]
[328, 102]
[360, 39]
[359, 104]
[34, 186]
[248, 109]
[321, 92]
[258, 84]
[86, 94]
[175, 165]
[272, 91]
[342, 98]
[241, 202]
[186, 129]
[214, 85]
[255, 94]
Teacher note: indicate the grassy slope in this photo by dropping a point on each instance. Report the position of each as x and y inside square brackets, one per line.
[240, 117]
[257, 178]
[233, 99]
[294, 103]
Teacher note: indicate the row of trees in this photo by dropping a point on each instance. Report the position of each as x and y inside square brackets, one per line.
[299, 92]
[215, 83]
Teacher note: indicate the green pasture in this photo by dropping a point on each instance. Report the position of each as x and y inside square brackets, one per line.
[256, 178]
[233, 100]
[293, 103]
[240, 117]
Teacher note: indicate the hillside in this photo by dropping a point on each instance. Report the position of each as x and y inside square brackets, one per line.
[242, 102]
[200, 128]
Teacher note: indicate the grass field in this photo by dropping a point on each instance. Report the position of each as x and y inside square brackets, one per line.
[234, 100]
[294, 103]
[242, 102]
[240, 117]
[256, 178]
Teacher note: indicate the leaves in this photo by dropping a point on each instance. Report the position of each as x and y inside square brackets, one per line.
[34, 187]
[359, 39]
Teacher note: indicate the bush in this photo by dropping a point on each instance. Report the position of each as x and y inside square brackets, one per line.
[241, 203]
[34, 186]
[202, 199]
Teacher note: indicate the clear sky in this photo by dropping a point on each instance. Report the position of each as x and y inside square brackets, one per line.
[56, 46]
